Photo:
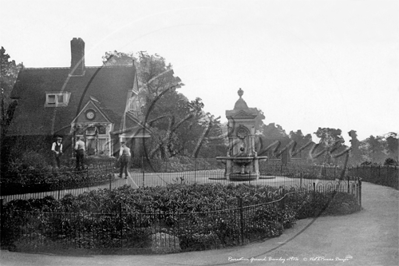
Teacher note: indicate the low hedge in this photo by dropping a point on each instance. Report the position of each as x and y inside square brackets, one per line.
[31, 177]
[54, 180]
[197, 216]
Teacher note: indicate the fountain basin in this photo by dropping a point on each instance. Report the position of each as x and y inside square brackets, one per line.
[242, 162]
[242, 176]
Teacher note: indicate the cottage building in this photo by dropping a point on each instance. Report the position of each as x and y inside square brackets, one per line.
[100, 104]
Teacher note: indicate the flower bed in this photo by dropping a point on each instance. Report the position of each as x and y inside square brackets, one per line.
[33, 180]
[174, 218]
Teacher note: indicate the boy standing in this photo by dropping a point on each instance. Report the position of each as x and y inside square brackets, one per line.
[124, 159]
[57, 150]
[80, 151]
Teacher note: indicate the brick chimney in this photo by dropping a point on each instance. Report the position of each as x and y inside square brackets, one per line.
[78, 57]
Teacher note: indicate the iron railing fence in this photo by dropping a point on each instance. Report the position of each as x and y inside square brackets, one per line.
[195, 171]
[103, 176]
[137, 179]
[377, 174]
[160, 231]
[175, 164]
[303, 170]
[382, 175]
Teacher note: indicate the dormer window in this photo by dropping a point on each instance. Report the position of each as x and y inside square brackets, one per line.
[57, 99]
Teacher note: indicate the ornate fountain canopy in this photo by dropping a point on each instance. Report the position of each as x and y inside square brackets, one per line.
[241, 109]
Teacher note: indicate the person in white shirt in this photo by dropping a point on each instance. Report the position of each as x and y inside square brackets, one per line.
[56, 148]
[80, 152]
[124, 159]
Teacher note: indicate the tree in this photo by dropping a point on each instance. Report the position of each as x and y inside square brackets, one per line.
[259, 125]
[179, 126]
[211, 132]
[274, 132]
[330, 141]
[272, 136]
[301, 141]
[373, 149]
[299, 138]
[8, 75]
[116, 58]
[356, 154]
[169, 112]
[392, 144]
[329, 136]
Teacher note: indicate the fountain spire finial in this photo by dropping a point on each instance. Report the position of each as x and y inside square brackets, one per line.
[240, 104]
[240, 92]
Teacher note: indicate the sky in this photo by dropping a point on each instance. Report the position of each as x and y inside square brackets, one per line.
[305, 63]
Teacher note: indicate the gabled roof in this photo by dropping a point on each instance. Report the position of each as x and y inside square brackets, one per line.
[100, 115]
[109, 85]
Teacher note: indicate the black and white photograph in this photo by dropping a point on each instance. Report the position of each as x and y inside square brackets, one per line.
[199, 132]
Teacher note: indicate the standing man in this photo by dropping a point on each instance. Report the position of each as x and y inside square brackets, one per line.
[57, 150]
[80, 151]
[124, 159]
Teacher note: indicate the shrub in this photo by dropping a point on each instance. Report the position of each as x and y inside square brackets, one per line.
[317, 204]
[95, 160]
[26, 176]
[199, 216]
[390, 161]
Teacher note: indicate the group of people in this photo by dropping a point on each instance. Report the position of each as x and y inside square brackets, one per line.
[56, 148]
[124, 155]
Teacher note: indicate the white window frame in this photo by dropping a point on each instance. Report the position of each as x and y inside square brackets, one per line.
[65, 99]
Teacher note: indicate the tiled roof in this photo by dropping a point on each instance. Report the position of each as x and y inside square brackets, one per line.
[109, 85]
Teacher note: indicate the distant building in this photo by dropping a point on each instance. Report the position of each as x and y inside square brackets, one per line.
[100, 104]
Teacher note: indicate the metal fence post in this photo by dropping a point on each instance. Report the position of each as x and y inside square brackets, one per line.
[300, 180]
[371, 173]
[59, 189]
[110, 182]
[348, 183]
[195, 170]
[360, 192]
[241, 220]
[121, 223]
[387, 176]
[1, 217]
[142, 168]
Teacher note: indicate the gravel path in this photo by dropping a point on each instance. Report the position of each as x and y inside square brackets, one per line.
[369, 237]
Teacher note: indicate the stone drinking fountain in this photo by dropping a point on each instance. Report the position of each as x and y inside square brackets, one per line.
[242, 161]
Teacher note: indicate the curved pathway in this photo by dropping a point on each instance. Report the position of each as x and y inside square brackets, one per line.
[369, 237]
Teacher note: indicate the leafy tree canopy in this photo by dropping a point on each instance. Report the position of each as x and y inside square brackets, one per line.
[8, 74]
[180, 126]
[329, 137]
[373, 149]
[392, 144]
[299, 138]
[274, 132]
